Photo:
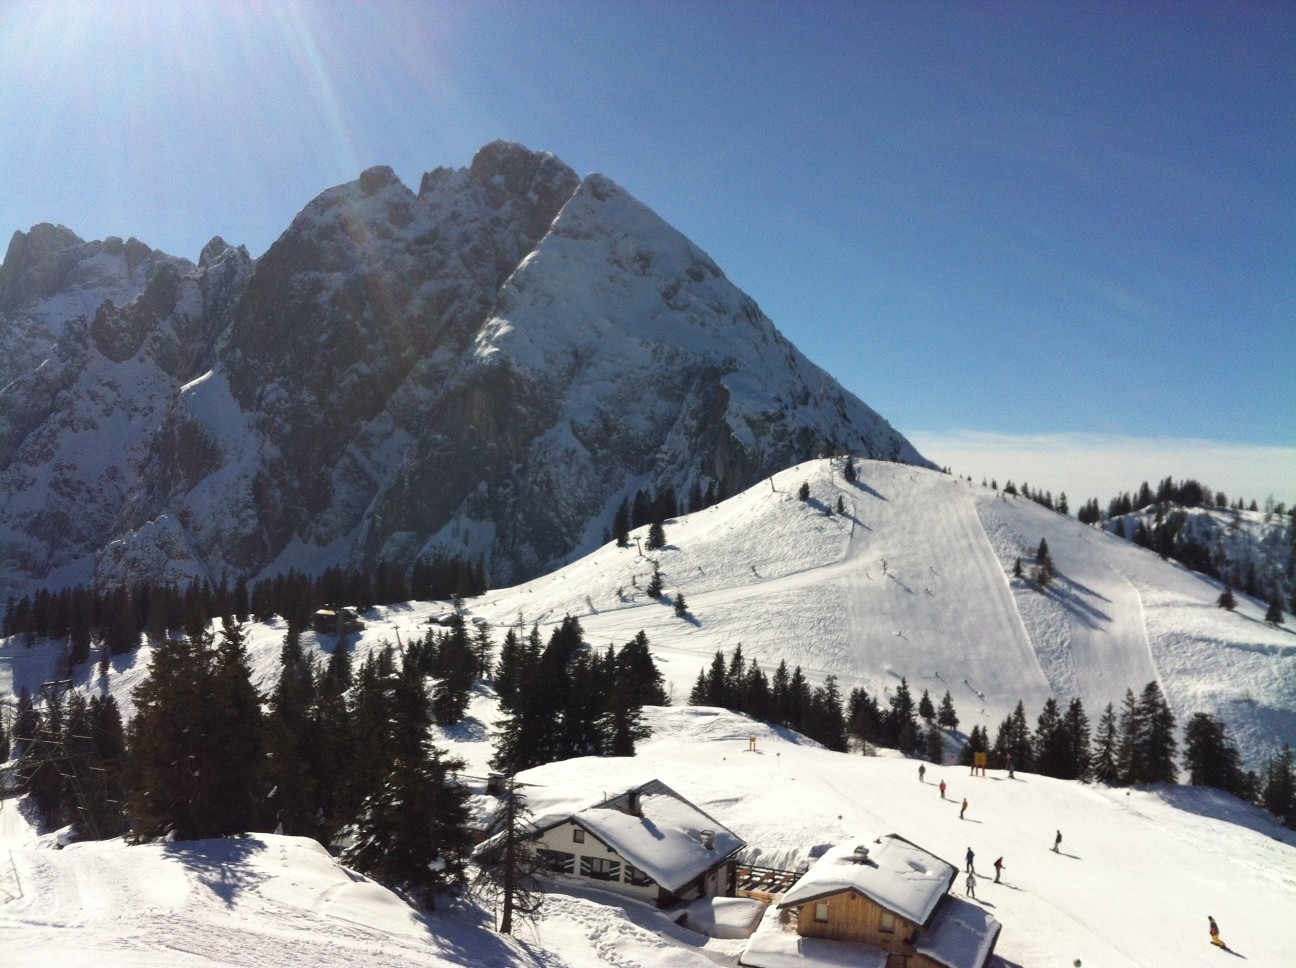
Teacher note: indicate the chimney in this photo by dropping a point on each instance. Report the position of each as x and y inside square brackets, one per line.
[633, 806]
[860, 854]
[708, 839]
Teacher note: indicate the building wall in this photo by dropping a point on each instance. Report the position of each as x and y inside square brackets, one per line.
[852, 917]
[562, 838]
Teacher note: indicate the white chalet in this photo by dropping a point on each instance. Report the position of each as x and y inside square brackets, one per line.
[649, 843]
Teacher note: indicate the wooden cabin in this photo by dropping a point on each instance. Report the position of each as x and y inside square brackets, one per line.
[337, 621]
[892, 896]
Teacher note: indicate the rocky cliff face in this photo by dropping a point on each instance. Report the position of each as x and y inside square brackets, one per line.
[485, 368]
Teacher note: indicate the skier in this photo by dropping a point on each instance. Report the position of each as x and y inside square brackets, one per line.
[998, 866]
[942, 789]
[970, 856]
[922, 771]
[1057, 842]
[1214, 933]
[963, 809]
[1011, 768]
[971, 884]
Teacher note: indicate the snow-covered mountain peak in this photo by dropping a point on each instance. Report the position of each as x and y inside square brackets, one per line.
[391, 370]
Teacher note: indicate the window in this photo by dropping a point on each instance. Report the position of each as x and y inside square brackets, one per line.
[888, 922]
[601, 868]
[821, 911]
[578, 835]
[557, 861]
[635, 876]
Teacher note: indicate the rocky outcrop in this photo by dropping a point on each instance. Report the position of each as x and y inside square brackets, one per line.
[487, 367]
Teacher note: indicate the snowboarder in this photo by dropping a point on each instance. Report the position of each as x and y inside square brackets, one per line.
[942, 789]
[922, 771]
[971, 884]
[1214, 933]
[1057, 842]
[998, 866]
[963, 809]
[970, 856]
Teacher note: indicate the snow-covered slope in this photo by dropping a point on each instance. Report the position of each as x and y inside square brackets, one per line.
[1251, 550]
[1136, 876]
[913, 580]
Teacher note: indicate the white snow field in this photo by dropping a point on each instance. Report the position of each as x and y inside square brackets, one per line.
[1137, 874]
[913, 580]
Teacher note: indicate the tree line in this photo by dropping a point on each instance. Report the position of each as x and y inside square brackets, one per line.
[345, 756]
[113, 619]
[1137, 744]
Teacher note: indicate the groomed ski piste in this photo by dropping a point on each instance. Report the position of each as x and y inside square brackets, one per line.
[914, 580]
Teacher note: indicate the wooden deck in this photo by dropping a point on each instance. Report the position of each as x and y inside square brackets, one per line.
[764, 883]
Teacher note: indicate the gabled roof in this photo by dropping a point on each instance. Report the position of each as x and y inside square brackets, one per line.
[961, 935]
[899, 876]
[664, 840]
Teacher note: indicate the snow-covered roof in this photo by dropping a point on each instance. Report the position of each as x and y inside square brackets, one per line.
[961, 935]
[664, 840]
[902, 877]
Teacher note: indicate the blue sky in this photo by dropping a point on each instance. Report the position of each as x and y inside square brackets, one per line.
[1023, 223]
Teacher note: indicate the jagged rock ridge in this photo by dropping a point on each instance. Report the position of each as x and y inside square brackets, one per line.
[486, 368]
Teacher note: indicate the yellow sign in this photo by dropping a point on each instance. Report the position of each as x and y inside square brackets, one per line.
[979, 759]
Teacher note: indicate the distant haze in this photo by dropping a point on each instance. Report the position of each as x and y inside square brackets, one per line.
[1102, 466]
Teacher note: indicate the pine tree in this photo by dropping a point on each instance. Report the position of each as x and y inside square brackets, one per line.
[656, 536]
[455, 665]
[1211, 757]
[863, 717]
[1159, 743]
[780, 693]
[1227, 599]
[1278, 794]
[621, 525]
[235, 731]
[757, 700]
[1274, 613]
[825, 721]
[1078, 758]
[509, 671]
[902, 728]
[1043, 573]
[848, 470]
[1129, 744]
[101, 769]
[654, 588]
[926, 710]
[803, 492]
[1050, 741]
[412, 831]
[946, 717]
[681, 607]
[977, 742]
[508, 863]
[1014, 739]
[195, 744]
[935, 745]
[482, 649]
[798, 700]
[640, 673]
